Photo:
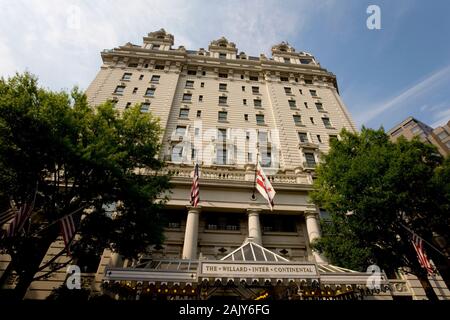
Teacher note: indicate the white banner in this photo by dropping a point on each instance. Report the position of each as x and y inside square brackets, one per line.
[247, 270]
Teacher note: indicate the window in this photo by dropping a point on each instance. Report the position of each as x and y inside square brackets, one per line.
[305, 61]
[313, 93]
[155, 79]
[221, 134]
[287, 90]
[332, 137]
[319, 138]
[146, 65]
[311, 119]
[203, 73]
[200, 98]
[199, 113]
[319, 106]
[156, 47]
[193, 153]
[287, 60]
[222, 86]
[119, 89]
[257, 103]
[141, 77]
[260, 119]
[243, 88]
[284, 79]
[306, 105]
[442, 135]
[126, 76]
[145, 107]
[297, 119]
[180, 130]
[246, 117]
[222, 55]
[202, 85]
[255, 90]
[249, 157]
[416, 129]
[189, 84]
[244, 101]
[266, 158]
[308, 81]
[242, 76]
[196, 132]
[300, 90]
[247, 135]
[184, 113]
[326, 122]
[253, 78]
[223, 75]
[222, 154]
[128, 105]
[159, 67]
[177, 153]
[292, 104]
[280, 223]
[187, 97]
[303, 137]
[192, 72]
[310, 159]
[262, 137]
[135, 90]
[150, 92]
[223, 116]
[132, 65]
[222, 100]
[214, 222]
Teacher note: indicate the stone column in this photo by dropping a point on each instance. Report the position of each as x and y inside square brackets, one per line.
[313, 228]
[191, 233]
[254, 226]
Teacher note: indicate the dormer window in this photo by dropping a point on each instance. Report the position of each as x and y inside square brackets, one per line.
[223, 45]
[222, 55]
[287, 60]
[156, 47]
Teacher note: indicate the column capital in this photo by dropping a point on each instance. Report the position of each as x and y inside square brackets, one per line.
[310, 213]
[253, 211]
[196, 209]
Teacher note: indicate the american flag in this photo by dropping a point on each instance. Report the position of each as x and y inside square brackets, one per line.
[195, 189]
[7, 216]
[68, 229]
[264, 186]
[21, 216]
[421, 255]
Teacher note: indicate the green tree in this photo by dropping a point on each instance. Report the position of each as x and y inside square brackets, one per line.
[373, 187]
[80, 159]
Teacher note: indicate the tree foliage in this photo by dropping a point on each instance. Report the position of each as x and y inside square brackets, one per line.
[80, 158]
[373, 187]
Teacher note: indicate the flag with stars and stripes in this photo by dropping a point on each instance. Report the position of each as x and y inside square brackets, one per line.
[68, 229]
[421, 255]
[195, 189]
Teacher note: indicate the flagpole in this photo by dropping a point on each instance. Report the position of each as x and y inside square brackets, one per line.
[433, 247]
[254, 180]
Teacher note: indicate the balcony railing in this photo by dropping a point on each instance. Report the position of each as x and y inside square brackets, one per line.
[309, 165]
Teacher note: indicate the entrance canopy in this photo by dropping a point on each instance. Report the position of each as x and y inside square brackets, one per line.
[251, 251]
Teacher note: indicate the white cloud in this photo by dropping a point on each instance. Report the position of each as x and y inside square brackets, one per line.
[425, 87]
[60, 41]
[441, 117]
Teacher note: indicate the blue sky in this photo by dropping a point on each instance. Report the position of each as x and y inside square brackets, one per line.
[384, 75]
